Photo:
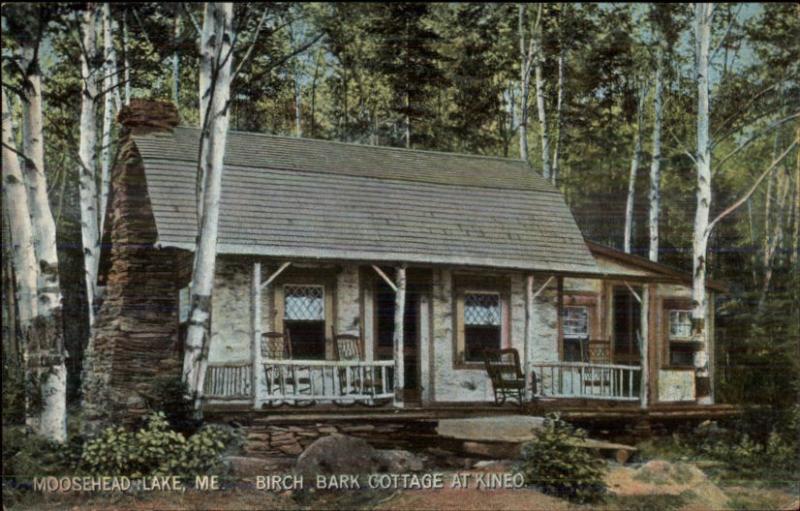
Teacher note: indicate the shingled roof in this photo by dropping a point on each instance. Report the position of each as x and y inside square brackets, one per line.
[295, 197]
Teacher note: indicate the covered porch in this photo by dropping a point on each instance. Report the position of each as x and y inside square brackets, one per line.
[402, 334]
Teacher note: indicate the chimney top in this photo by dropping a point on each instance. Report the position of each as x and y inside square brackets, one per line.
[144, 115]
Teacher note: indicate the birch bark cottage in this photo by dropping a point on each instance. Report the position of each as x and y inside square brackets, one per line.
[316, 309]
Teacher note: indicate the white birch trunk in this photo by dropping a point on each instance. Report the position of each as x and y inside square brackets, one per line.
[524, 80]
[197, 339]
[176, 62]
[125, 47]
[87, 157]
[702, 14]
[298, 117]
[46, 339]
[208, 42]
[793, 258]
[15, 197]
[399, 353]
[559, 107]
[540, 105]
[637, 154]
[109, 86]
[655, 164]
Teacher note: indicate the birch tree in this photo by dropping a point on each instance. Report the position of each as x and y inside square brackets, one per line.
[637, 155]
[526, 65]
[217, 55]
[87, 155]
[655, 162]
[109, 90]
[538, 41]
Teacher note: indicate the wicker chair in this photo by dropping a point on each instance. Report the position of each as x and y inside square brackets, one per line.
[506, 375]
[278, 346]
[348, 348]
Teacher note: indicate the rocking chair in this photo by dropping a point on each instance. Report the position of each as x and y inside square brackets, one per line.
[506, 375]
[278, 346]
[348, 348]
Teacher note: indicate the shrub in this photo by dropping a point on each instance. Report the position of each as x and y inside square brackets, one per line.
[556, 462]
[170, 395]
[27, 455]
[156, 450]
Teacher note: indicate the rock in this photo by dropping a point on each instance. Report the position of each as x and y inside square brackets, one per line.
[493, 466]
[338, 454]
[493, 450]
[247, 466]
[291, 449]
[400, 461]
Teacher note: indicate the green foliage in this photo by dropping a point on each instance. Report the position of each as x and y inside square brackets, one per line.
[156, 450]
[556, 463]
[170, 396]
[651, 502]
[13, 392]
[27, 455]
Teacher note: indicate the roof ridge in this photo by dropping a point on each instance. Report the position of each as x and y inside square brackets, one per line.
[367, 146]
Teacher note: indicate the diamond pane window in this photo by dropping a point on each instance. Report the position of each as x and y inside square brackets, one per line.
[575, 322]
[183, 305]
[304, 303]
[482, 309]
[680, 324]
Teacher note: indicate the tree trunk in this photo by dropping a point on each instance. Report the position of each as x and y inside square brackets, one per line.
[559, 99]
[125, 47]
[15, 198]
[208, 43]
[176, 61]
[524, 80]
[46, 338]
[655, 164]
[220, 16]
[702, 14]
[793, 258]
[540, 104]
[109, 85]
[637, 154]
[87, 157]
[774, 240]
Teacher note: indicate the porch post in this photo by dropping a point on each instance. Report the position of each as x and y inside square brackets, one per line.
[399, 314]
[644, 387]
[529, 333]
[255, 320]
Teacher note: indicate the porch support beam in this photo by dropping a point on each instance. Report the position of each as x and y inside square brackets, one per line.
[633, 292]
[530, 296]
[399, 314]
[255, 319]
[645, 348]
[385, 277]
[543, 286]
[275, 274]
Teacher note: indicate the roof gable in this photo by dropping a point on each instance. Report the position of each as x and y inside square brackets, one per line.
[289, 197]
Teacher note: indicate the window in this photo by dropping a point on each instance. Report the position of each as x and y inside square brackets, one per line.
[680, 324]
[304, 317]
[575, 324]
[677, 333]
[183, 315]
[482, 324]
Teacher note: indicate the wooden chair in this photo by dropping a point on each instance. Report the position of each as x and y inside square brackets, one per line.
[506, 375]
[278, 346]
[598, 352]
[348, 349]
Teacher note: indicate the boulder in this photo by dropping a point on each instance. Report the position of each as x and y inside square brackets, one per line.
[338, 454]
[248, 466]
[400, 461]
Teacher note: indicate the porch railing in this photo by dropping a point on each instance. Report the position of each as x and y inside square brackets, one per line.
[588, 381]
[229, 382]
[324, 380]
[303, 381]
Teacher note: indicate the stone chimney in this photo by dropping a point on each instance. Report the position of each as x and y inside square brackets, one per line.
[146, 115]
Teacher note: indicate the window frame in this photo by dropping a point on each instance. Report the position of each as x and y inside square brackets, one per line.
[578, 298]
[474, 284]
[686, 344]
[303, 276]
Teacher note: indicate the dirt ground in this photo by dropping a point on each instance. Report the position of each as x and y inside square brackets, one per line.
[655, 485]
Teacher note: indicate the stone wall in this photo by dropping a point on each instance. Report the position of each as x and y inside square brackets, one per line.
[231, 338]
[135, 333]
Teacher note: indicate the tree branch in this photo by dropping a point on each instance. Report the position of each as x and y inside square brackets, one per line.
[730, 209]
[755, 135]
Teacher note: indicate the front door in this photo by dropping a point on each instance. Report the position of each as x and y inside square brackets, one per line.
[627, 314]
[384, 329]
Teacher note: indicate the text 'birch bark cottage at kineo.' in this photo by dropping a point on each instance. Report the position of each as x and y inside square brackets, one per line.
[375, 279]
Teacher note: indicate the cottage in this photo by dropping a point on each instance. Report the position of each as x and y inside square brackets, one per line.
[363, 275]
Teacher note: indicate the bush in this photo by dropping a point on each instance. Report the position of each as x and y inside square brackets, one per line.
[156, 450]
[556, 463]
[27, 455]
[170, 395]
